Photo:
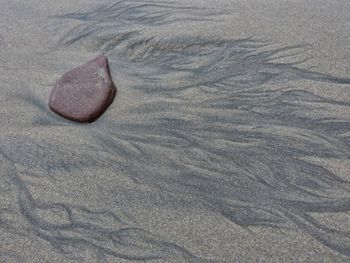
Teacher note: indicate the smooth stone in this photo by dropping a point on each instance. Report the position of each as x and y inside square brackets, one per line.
[84, 93]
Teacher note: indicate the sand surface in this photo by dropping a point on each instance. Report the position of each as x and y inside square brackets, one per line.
[228, 141]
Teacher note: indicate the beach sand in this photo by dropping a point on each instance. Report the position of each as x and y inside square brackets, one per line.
[228, 140]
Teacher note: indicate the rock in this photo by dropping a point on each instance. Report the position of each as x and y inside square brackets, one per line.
[84, 93]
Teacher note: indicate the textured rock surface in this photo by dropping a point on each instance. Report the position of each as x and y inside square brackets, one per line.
[84, 93]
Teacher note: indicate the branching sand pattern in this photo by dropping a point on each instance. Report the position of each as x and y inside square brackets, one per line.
[223, 124]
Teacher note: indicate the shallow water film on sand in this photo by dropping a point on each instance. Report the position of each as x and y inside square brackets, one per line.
[217, 149]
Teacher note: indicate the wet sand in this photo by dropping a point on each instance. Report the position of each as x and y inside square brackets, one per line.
[228, 140]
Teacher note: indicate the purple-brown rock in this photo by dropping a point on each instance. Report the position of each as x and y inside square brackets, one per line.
[84, 93]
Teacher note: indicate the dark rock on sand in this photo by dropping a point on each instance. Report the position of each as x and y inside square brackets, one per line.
[84, 93]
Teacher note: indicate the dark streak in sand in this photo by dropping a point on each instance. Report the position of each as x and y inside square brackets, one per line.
[230, 131]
